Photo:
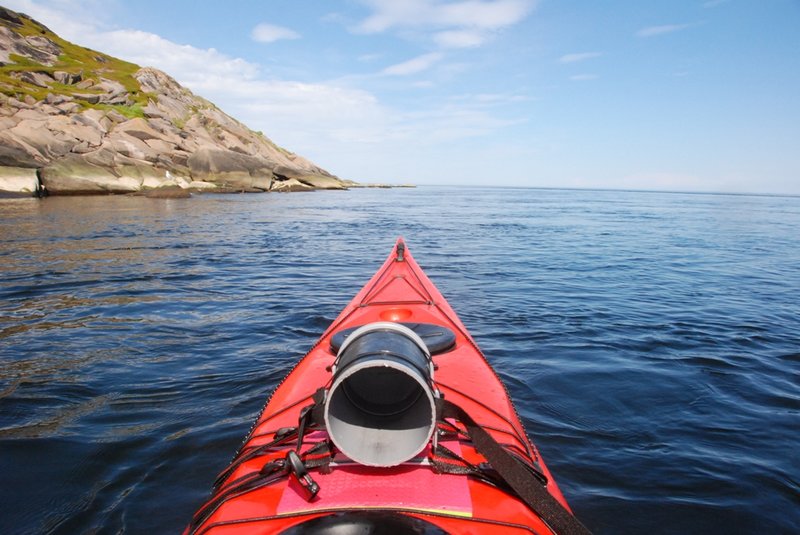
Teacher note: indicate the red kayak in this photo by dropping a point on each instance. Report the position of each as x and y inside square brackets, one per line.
[394, 422]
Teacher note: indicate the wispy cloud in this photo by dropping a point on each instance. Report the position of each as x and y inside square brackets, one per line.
[460, 38]
[583, 77]
[454, 24]
[582, 56]
[486, 100]
[186, 63]
[415, 65]
[452, 122]
[269, 33]
[488, 14]
[367, 58]
[423, 84]
[652, 31]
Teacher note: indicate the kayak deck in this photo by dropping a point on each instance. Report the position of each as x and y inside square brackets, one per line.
[248, 498]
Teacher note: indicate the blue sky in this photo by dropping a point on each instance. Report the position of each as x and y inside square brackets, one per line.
[687, 95]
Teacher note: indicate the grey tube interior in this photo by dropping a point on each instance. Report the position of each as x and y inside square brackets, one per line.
[380, 409]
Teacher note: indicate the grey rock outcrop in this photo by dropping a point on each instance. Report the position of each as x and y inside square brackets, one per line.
[91, 132]
[18, 181]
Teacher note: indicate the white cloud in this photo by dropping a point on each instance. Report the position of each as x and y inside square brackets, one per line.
[652, 31]
[415, 65]
[186, 63]
[449, 123]
[583, 77]
[423, 84]
[455, 24]
[582, 56]
[483, 14]
[268, 33]
[299, 112]
[459, 38]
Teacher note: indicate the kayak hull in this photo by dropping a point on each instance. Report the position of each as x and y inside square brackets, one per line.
[414, 490]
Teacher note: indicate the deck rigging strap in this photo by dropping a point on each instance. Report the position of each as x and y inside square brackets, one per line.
[520, 478]
[516, 475]
[526, 482]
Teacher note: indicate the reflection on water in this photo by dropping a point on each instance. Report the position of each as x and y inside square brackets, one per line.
[650, 342]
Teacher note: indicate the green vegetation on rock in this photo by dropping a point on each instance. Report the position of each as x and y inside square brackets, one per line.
[74, 60]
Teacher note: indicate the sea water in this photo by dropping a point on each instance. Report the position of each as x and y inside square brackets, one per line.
[650, 342]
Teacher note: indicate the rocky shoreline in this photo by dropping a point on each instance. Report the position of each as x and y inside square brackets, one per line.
[74, 121]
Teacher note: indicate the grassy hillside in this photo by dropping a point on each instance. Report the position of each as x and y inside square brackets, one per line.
[74, 59]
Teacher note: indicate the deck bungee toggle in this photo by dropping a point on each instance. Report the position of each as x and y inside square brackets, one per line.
[394, 422]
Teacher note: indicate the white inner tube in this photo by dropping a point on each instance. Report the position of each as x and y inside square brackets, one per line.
[380, 409]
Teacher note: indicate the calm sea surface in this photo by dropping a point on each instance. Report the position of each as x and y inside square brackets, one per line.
[651, 342]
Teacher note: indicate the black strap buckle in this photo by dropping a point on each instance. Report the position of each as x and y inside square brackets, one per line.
[295, 466]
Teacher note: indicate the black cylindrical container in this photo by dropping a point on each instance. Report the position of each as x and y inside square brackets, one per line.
[380, 409]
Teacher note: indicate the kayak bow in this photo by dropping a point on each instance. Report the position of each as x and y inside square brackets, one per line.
[394, 422]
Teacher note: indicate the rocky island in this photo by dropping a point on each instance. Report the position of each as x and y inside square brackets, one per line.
[74, 122]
